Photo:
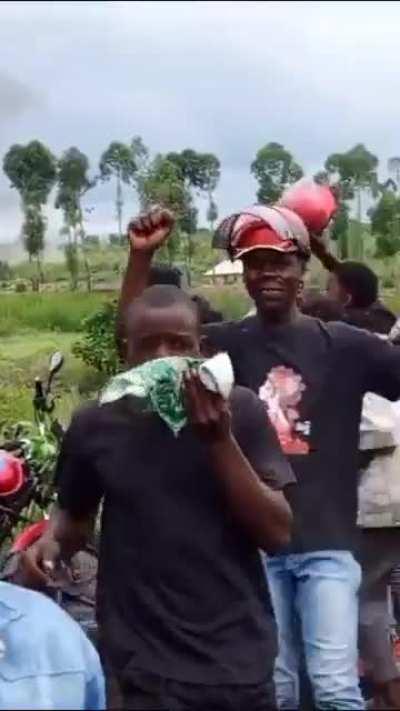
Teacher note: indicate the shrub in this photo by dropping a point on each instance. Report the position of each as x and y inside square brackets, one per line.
[97, 348]
[20, 286]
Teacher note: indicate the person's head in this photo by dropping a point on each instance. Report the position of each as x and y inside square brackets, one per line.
[322, 307]
[206, 312]
[273, 280]
[162, 322]
[274, 246]
[354, 285]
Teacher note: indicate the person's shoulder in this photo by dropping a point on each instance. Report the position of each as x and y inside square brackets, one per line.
[346, 333]
[338, 332]
[229, 330]
[84, 419]
[40, 623]
[86, 412]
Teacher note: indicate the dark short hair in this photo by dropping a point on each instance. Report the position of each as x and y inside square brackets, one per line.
[206, 312]
[162, 296]
[322, 307]
[165, 274]
[360, 282]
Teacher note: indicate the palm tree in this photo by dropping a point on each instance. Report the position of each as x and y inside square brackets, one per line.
[394, 169]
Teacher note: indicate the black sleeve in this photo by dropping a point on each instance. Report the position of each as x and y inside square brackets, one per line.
[258, 440]
[218, 337]
[78, 486]
[382, 363]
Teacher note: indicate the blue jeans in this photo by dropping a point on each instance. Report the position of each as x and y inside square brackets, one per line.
[315, 600]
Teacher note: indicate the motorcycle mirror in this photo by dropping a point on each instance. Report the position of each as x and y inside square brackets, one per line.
[56, 362]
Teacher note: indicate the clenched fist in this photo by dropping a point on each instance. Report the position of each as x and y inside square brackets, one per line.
[149, 231]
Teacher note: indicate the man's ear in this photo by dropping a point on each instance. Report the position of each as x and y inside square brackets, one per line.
[346, 299]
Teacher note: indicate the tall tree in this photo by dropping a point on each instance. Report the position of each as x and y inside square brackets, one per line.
[210, 178]
[357, 172]
[339, 231]
[72, 263]
[394, 169]
[32, 171]
[161, 183]
[385, 224]
[118, 162]
[73, 183]
[212, 214]
[274, 168]
[322, 177]
[200, 172]
[33, 231]
[140, 152]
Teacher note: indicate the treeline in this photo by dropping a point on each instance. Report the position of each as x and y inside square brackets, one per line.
[174, 180]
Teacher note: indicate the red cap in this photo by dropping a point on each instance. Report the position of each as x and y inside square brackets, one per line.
[263, 227]
[263, 238]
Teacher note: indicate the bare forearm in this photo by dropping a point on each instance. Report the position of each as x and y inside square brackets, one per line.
[264, 513]
[71, 533]
[134, 282]
[327, 259]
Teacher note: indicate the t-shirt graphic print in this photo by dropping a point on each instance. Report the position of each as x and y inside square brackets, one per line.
[282, 393]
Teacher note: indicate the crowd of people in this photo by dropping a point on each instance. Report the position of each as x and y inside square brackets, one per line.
[251, 555]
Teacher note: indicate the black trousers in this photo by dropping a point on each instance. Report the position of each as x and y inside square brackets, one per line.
[378, 554]
[145, 692]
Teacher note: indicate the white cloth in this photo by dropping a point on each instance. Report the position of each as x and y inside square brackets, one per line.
[379, 487]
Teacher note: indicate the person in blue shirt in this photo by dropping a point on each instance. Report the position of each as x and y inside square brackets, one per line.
[46, 661]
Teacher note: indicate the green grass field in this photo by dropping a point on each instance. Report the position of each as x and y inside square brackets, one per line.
[32, 326]
[24, 356]
[63, 312]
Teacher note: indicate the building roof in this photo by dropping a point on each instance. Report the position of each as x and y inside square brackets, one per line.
[226, 268]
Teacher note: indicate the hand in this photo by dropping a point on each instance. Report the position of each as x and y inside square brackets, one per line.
[149, 231]
[38, 565]
[207, 412]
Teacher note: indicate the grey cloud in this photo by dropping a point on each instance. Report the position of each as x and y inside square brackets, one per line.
[220, 76]
[15, 97]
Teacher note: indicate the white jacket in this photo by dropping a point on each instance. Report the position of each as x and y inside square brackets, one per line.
[379, 486]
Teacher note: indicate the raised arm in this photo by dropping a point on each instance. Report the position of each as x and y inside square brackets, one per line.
[146, 234]
[243, 471]
[327, 259]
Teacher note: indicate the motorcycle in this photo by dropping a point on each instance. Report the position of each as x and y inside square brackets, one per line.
[28, 454]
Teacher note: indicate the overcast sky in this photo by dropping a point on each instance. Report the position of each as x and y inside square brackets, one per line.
[225, 77]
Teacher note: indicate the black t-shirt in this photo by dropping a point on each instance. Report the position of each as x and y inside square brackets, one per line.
[183, 594]
[312, 378]
[376, 319]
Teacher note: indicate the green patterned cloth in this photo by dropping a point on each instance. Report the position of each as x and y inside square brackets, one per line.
[158, 384]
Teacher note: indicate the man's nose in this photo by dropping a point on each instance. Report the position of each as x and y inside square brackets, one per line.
[162, 350]
[270, 271]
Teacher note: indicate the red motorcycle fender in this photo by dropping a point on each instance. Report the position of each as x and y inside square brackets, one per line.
[29, 536]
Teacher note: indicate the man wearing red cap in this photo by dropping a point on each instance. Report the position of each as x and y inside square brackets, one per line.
[311, 378]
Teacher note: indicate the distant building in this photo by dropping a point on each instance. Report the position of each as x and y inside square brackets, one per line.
[225, 272]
